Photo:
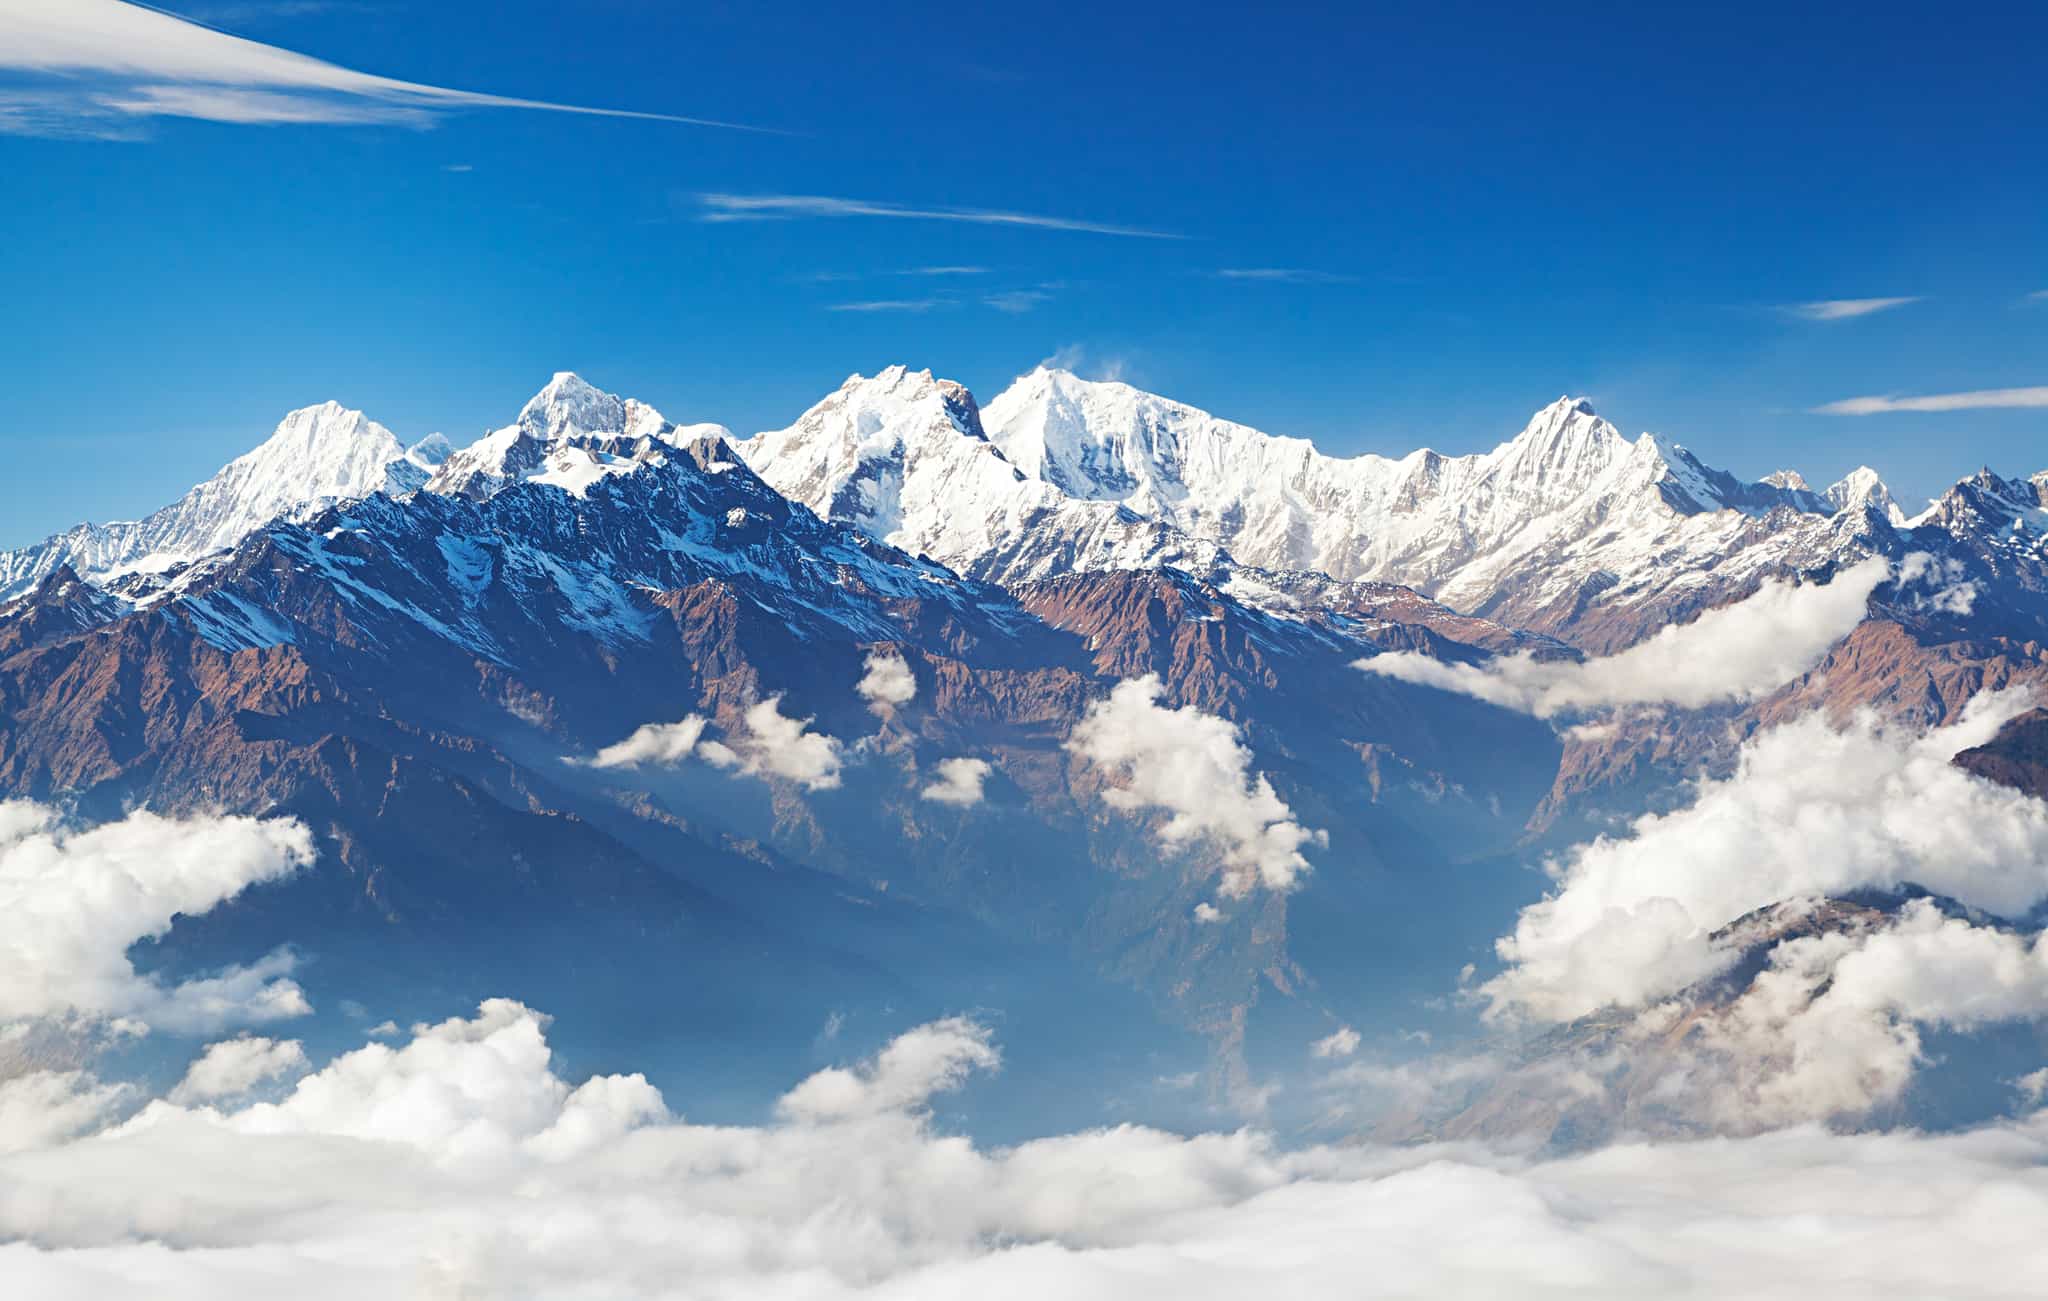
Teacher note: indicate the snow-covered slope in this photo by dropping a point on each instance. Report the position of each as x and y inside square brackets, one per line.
[903, 457]
[1060, 474]
[318, 456]
[570, 434]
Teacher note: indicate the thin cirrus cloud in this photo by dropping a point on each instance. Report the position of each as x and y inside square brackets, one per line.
[1018, 301]
[1845, 309]
[96, 67]
[774, 207]
[1988, 399]
[889, 305]
[1283, 276]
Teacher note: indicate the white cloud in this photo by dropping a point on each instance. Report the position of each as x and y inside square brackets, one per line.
[1844, 309]
[767, 745]
[1832, 1026]
[1737, 652]
[73, 902]
[660, 743]
[463, 1165]
[1208, 913]
[889, 305]
[232, 1068]
[1194, 766]
[1341, 1042]
[959, 783]
[777, 746]
[1284, 275]
[934, 1058]
[103, 59]
[42, 1108]
[762, 207]
[1809, 811]
[1016, 302]
[887, 683]
[1976, 400]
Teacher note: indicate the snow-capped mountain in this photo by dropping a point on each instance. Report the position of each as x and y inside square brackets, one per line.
[318, 455]
[904, 457]
[570, 434]
[1059, 474]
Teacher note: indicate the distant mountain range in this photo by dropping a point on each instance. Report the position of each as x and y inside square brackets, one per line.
[402, 645]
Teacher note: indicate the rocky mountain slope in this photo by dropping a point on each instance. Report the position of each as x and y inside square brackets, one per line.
[424, 654]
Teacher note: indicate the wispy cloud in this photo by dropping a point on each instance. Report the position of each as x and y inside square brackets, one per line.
[770, 207]
[2038, 296]
[1844, 309]
[96, 64]
[1018, 301]
[944, 271]
[1976, 400]
[1285, 275]
[890, 305]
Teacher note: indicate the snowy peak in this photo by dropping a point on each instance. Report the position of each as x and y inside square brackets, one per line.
[851, 456]
[1862, 489]
[1100, 440]
[570, 406]
[317, 456]
[568, 434]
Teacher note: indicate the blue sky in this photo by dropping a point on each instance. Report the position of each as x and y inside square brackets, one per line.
[1475, 208]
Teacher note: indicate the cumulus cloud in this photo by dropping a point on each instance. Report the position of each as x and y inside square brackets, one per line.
[934, 1058]
[1844, 309]
[233, 1068]
[41, 1108]
[422, 1171]
[1737, 652]
[768, 744]
[1195, 767]
[959, 782]
[1208, 913]
[1809, 811]
[1832, 1026]
[1975, 400]
[1341, 1042]
[656, 743]
[887, 683]
[73, 902]
[775, 745]
[104, 61]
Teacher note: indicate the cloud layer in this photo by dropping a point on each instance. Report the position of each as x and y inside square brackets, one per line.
[1734, 653]
[1194, 767]
[463, 1164]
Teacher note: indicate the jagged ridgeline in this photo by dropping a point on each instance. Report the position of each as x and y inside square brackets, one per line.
[426, 653]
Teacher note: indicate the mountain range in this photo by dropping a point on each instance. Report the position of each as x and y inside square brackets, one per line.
[428, 653]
